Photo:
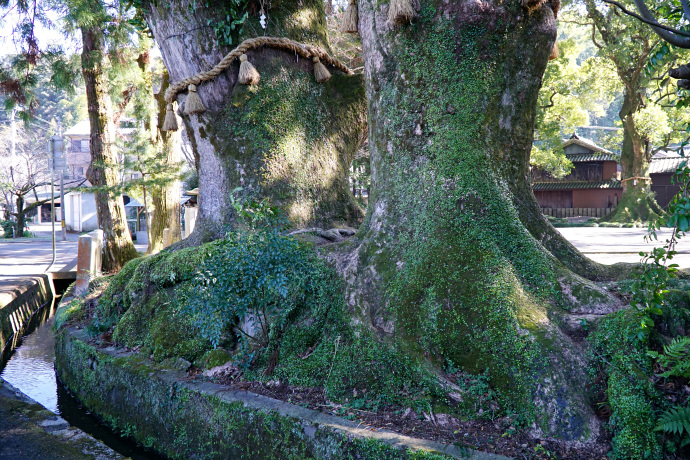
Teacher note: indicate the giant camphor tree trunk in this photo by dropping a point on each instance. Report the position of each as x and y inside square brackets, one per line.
[443, 264]
[102, 173]
[288, 138]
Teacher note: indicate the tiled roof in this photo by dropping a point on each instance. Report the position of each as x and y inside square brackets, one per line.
[575, 139]
[580, 157]
[83, 128]
[576, 185]
[665, 165]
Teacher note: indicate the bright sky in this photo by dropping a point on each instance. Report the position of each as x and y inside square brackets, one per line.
[45, 36]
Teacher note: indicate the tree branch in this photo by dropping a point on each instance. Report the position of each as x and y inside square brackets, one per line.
[667, 33]
[551, 103]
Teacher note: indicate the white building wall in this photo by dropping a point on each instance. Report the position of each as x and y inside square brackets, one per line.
[80, 212]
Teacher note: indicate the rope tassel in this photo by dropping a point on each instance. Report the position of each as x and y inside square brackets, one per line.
[170, 123]
[400, 12]
[321, 73]
[248, 73]
[554, 52]
[193, 104]
[350, 18]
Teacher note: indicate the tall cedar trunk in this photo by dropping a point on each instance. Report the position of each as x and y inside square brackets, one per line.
[166, 189]
[443, 264]
[288, 138]
[102, 172]
[165, 199]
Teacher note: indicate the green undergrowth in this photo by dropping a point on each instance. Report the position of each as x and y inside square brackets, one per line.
[266, 304]
[623, 373]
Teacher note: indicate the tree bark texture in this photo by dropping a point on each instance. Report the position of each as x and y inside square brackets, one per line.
[637, 201]
[21, 221]
[443, 264]
[288, 138]
[102, 173]
[165, 199]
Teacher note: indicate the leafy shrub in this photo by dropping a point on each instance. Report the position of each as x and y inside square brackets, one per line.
[8, 228]
[254, 282]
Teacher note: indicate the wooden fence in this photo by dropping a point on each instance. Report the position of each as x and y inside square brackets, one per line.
[577, 212]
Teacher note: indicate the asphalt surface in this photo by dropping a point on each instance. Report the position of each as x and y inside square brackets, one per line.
[32, 256]
[611, 245]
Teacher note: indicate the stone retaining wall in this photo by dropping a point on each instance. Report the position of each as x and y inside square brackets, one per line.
[182, 418]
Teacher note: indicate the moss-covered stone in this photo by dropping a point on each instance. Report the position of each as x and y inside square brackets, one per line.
[213, 358]
[196, 420]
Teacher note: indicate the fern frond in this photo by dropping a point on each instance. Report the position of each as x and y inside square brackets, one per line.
[678, 348]
[674, 421]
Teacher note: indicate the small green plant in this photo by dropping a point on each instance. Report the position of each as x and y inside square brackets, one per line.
[257, 215]
[674, 358]
[650, 286]
[676, 421]
[8, 228]
[229, 28]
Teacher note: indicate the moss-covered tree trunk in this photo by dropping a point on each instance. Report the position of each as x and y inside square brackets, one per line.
[637, 201]
[288, 138]
[102, 172]
[443, 264]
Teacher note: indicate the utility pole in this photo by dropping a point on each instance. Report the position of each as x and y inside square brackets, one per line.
[52, 199]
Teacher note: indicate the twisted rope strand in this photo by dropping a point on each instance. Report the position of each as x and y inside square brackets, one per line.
[306, 51]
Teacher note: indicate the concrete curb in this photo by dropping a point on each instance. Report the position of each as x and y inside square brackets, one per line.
[30, 431]
[177, 416]
[19, 303]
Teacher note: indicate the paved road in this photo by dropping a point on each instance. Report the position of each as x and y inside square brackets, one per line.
[32, 256]
[611, 245]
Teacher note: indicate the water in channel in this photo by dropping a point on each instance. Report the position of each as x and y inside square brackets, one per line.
[30, 367]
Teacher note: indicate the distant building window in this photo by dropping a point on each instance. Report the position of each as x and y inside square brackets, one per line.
[75, 146]
[84, 145]
[80, 171]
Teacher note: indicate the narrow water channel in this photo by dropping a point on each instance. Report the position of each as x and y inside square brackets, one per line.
[30, 368]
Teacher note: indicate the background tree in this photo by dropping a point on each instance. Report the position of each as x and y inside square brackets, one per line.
[24, 167]
[91, 18]
[159, 158]
[611, 34]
